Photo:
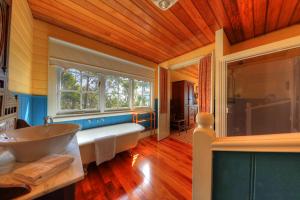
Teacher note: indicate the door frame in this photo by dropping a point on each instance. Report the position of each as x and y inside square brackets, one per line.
[163, 120]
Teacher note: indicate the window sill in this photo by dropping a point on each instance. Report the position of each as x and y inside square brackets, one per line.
[69, 117]
[80, 116]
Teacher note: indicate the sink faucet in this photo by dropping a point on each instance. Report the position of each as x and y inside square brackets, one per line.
[47, 119]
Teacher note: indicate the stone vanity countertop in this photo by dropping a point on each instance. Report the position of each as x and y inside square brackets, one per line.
[71, 175]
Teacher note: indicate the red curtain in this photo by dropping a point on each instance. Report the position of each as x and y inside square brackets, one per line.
[204, 84]
[163, 88]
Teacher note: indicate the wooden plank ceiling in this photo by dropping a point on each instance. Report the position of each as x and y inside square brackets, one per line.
[139, 27]
[191, 70]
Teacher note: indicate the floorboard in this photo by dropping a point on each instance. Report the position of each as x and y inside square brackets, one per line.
[156, 170]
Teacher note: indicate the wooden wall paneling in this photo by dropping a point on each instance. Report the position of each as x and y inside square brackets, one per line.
[20, 48]
[40, 60]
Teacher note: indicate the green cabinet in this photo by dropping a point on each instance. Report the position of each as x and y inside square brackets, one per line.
[256, 176]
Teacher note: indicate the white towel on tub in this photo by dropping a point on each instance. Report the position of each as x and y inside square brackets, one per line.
[105, 148]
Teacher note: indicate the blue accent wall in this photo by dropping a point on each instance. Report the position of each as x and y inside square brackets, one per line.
[32, 109]
[100, 121]
[25, 107]
[39, 109]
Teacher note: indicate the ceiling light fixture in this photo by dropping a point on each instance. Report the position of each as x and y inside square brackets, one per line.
[164, 4]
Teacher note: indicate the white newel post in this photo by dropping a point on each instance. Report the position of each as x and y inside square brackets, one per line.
[203, 137]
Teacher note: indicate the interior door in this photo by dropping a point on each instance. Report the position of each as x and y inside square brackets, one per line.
[163, 104]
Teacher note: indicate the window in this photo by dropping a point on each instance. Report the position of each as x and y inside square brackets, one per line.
[116, 92]
[81, 91]
[142, 93]
[78, 90]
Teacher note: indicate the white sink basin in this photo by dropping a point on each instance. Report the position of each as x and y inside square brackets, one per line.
[32, 143]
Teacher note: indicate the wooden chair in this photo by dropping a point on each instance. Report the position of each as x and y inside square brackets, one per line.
[178, 123]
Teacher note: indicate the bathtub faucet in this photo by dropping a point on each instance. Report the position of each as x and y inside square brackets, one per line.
[47, 120]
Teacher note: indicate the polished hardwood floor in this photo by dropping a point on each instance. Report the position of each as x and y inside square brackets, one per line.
[156, 170]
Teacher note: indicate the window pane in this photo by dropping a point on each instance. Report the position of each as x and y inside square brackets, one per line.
[124, 86]
[70, 80]
[90, 100]
[147, 88]
[70, 101]
[138, 87]
[111, 101]
[142, 93]
[111, 85]
[124, 92]
[116, 92]
[111, 92]
[90, 82]
[123, 100]
[263, 94]
[147, 100]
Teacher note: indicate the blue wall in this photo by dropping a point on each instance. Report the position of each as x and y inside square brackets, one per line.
[25, 107]
[33, 109]
[100, 121]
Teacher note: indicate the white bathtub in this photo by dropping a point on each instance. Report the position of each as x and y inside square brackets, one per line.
[127, 136]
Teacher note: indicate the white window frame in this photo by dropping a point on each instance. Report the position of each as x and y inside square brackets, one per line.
[54, 93]
[81, 92]
[221, 75]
